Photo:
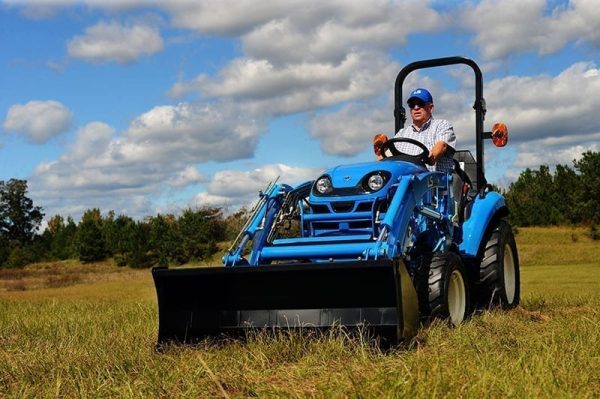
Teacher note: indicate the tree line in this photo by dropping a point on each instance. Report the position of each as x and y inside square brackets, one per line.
[569, 195]
[158, 240]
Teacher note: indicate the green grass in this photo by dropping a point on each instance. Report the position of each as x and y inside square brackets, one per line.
[94, 337]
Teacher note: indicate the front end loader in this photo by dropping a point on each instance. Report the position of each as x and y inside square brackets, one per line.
[380, 245]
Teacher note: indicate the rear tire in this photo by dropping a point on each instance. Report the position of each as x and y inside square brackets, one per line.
[447, 296]
[499, 275]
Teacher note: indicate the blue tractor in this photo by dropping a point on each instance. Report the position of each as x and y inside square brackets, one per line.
[382, 245]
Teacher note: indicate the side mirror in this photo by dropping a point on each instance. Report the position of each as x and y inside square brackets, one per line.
[499, 134]
[378, 141]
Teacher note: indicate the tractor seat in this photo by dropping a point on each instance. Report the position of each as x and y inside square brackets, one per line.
[463, 182]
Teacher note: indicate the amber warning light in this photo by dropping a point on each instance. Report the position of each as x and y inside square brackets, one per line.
[378, 142]
[499, 134]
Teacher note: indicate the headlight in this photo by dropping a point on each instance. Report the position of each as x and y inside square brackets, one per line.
[324, 185]
[375, 182]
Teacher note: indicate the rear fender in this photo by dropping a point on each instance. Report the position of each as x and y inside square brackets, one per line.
[483, 212]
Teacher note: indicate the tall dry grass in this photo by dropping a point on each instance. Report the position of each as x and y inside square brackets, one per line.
[96, 339]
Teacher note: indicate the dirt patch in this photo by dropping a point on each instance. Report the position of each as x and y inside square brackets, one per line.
[62, 274]
[14, 285]
[63, 280]
[532, 315]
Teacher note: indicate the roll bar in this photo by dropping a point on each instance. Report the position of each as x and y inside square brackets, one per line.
[479, 106]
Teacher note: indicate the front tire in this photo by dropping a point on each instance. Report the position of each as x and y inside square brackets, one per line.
[448, 289]
[499, 275]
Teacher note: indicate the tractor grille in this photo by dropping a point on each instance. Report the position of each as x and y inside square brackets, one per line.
[340, 218]
[364, 206]
[336, 226]
[319, 209]
[345, 206]
[342, 207]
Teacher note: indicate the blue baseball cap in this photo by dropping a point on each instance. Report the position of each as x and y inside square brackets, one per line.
[421, 94]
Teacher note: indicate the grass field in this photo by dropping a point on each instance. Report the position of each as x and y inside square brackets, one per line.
[68, 330]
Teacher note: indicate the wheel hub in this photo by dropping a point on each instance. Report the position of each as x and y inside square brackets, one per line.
[457, 300]
[509, 274]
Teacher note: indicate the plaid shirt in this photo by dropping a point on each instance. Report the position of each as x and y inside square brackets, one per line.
[432, 131]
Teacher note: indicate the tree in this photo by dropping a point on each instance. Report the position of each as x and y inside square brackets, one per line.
[200, 230]
[119, 238]
[589, 169]
[90, 238]
[235, 222]
[19, 218]
[62, 237]
[165, 240]
[530, 199]
[566, 193]
[137, 244]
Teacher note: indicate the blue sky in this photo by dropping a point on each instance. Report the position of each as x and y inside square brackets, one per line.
[153, 106]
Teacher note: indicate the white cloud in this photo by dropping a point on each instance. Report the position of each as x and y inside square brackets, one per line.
[101, 169]
[505, 27]
[187, 176]
[203, 199]
[552, 154]
[304, 55]
[350, 130]
[70, 186]
[39, 12]
[546, 106]
[233, 189]
[292, 31]
[92, 139]
[262, 88]
[276, 30]
[237, 183]
[191, 133]
[38, 121]
[105, 42]
[579, 22]
[331, 58]
[327, 31]
[227, 17]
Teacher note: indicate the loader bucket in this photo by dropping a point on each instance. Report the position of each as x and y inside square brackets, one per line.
[198, 303]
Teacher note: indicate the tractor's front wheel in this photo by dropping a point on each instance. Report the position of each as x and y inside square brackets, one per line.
[499, 276]
[448, 289]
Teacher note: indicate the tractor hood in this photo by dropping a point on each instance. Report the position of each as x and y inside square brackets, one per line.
[350, 175]
[351, 180]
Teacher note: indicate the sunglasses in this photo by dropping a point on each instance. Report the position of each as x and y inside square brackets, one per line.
[417, 103]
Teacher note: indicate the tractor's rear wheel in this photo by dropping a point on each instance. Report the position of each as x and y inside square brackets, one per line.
[499, 276]
[447, 296]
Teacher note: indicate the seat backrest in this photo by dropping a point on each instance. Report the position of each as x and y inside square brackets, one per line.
[468, 164]
[467, 174]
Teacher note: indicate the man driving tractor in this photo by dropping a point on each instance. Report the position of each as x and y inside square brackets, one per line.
[436, 134]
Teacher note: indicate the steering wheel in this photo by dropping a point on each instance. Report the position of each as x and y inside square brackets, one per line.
[421, 158]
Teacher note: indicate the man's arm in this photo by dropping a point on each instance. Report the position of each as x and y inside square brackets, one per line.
[437, 151]
[446, 139]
